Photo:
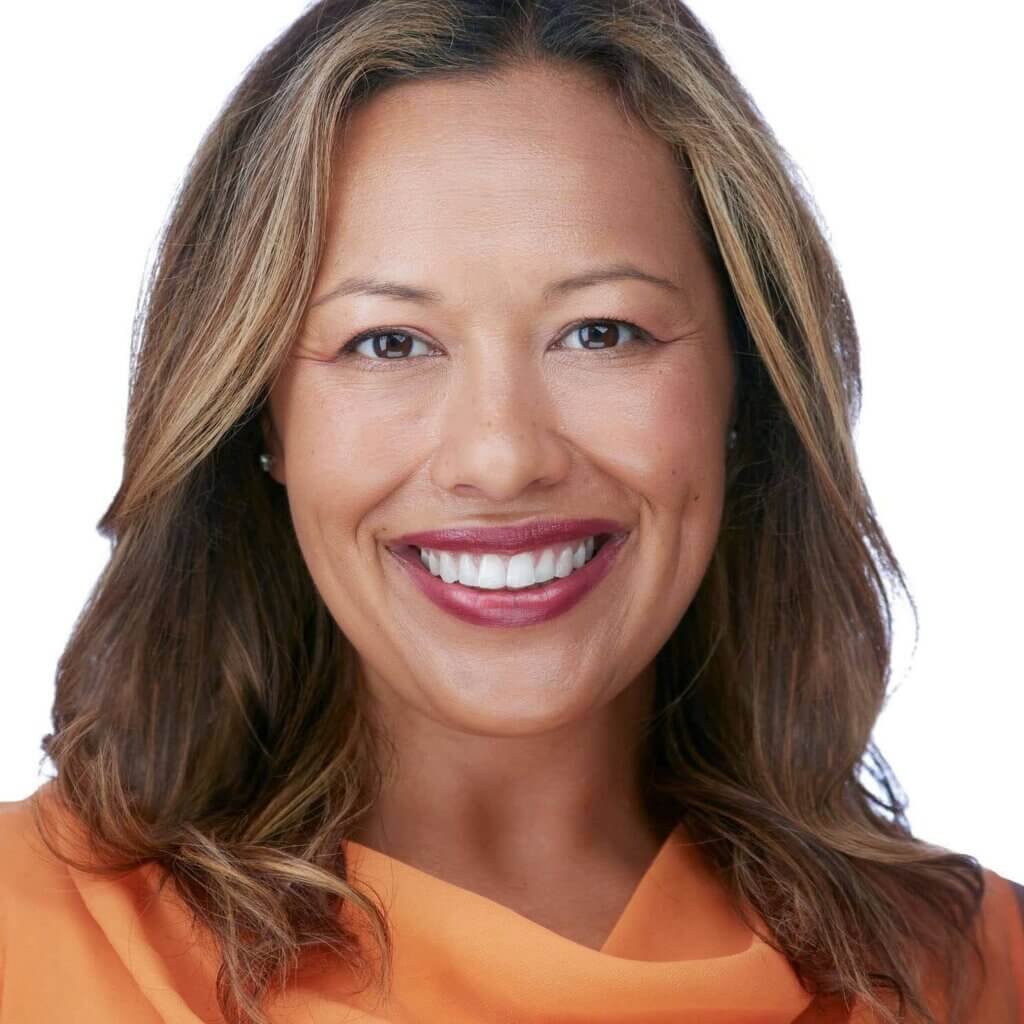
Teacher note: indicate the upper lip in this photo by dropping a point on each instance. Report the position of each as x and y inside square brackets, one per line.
[509, 539]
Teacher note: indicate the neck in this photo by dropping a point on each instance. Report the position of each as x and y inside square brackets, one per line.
[497, 804]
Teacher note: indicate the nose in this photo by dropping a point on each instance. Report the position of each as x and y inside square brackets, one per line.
[501, 431]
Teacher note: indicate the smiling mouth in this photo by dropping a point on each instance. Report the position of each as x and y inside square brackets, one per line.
[533, 603]
[525, 571]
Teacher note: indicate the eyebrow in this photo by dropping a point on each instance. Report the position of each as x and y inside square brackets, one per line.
[409, 293]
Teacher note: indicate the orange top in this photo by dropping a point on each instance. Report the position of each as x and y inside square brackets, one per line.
[79, 948]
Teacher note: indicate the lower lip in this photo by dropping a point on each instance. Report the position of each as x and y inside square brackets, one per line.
[525, 607]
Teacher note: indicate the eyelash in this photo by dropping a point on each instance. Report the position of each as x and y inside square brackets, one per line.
[348, 349]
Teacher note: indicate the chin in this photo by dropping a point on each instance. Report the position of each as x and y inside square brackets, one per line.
[504, 712]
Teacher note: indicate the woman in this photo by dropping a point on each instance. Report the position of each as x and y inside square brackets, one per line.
[496, 620]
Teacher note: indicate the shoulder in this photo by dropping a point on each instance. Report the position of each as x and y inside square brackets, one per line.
[34, 882]
[1001, 935]
[1003, 900]
[1017, 889]
[25, 859]
[61, 921]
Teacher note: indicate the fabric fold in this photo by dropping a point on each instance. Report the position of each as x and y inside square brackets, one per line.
[77, 946]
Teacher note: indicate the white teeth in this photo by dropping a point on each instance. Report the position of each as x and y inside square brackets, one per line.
[520, 571]
[565, 562]
[449, 567]
[544, 570]
[492, 572]
[498, 572]
[469, 571]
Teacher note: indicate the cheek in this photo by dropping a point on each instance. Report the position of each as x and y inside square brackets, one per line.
[346, 450]
[660, 434]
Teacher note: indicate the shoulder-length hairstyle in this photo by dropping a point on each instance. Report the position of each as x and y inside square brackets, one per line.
[208, 718]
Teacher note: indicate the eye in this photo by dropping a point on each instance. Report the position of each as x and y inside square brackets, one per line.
[593, 335]
[384, 344]
[605, 334]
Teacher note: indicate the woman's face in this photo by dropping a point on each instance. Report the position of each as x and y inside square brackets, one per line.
[490, 403]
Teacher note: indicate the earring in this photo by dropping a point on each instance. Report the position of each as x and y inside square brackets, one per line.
[266, 461]
[732, 438]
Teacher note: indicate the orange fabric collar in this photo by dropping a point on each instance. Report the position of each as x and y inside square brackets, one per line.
[678, 954]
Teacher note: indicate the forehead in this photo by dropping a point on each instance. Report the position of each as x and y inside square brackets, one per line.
[531, 168]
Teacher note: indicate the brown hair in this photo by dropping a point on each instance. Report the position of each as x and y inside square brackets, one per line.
[208, 716]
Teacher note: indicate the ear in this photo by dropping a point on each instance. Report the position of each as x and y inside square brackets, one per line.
[272, 444]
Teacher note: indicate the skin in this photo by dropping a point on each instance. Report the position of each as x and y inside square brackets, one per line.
[517, 773]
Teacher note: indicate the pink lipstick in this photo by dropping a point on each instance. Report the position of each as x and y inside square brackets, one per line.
[509, 540]
[512, 607]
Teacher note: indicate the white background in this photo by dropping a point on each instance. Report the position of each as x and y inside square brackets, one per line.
[902, 117]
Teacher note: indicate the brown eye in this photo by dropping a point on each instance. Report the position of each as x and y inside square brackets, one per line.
[593, 335]
[384, 345]
[391, 346]
[603, 334]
